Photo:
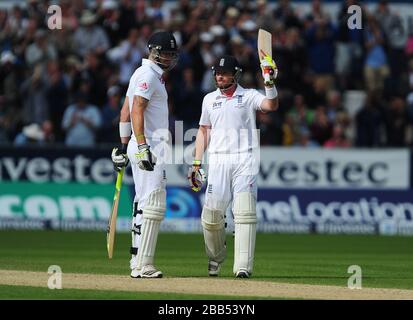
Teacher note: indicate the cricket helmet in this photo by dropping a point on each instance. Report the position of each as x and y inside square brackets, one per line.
[227, 63]
[162, 46]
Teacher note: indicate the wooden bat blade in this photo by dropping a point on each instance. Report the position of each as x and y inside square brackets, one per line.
[264, 44]
[111, 230]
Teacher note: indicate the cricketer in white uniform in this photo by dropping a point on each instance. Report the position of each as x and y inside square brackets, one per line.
[228, 129]
[146, 104]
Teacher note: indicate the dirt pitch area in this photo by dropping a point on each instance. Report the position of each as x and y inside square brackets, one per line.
[213, 286]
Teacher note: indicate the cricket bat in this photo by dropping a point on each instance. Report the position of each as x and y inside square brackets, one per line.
[265, 51]
[111, 230]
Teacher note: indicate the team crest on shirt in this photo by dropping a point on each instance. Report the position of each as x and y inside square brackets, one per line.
[239, 102]
[143, 86]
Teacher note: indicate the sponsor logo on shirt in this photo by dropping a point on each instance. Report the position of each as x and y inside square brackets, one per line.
[143, 86]
[216, 105]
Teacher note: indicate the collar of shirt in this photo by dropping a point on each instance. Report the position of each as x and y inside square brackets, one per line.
[153, 66]
[239, 91]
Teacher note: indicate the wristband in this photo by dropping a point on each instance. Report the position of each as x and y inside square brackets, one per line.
[125, 129]
[124, 148]
[196, 162]
[140, 136]
[271, 93]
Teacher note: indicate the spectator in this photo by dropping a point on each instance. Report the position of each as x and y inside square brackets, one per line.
[92, 79]
[126, 18]
[109, 20]
[339, 139]
[57, 96]
[189, 100]
[81, 121]
[369, 121]
[35, 134]
[321, 129]
[320, 43]
[270, 129]
[90, 37]
[396, 123]
[128, 55]
[110, 116]
[34, 96]
[396, 35]
[41, 50]
[375, 69]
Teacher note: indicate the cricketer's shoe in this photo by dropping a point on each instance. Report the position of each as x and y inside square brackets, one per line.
[148, 271]
[242, 273]
[213, 268]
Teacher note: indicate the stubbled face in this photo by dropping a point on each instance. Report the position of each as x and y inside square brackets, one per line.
[224, 79]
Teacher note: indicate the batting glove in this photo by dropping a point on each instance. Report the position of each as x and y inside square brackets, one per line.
[269, 71]
[120, 157]
[196, 176]
[146, 160]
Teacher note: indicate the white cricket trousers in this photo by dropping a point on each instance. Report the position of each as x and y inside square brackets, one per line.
[229, 174]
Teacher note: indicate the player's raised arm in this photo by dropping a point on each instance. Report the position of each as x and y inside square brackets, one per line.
[119, 156]
[269, 73]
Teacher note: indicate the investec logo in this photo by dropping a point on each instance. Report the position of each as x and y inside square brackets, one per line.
[45, 207]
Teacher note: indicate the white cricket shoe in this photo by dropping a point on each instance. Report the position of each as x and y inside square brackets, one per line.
[148, 271]
[213, 268]
[242, 273]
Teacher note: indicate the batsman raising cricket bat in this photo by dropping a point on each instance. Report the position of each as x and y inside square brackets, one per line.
[227, 121]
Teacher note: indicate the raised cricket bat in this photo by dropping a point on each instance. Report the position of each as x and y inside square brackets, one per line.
[265, 50]
[111, 230]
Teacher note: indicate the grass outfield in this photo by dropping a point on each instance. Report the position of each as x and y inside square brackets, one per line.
[9, 292]
[386, 262]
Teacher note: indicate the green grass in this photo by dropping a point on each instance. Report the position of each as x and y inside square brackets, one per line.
[8, 292]
[386, 262]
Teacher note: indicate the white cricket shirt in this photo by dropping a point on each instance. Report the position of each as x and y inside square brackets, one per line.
[232, 120]
[148, 83]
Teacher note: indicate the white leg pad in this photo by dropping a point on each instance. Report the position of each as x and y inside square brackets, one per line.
[245, 219]
[153, 214]
[213, 224]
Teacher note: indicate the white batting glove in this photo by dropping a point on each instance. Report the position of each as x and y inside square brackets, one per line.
[269, 71]
[146, 160]
[120, 157]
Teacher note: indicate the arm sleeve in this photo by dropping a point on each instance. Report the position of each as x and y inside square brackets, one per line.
[95, 117]
[67, 116]
[256, 99]
[204, 121]
[144, 86]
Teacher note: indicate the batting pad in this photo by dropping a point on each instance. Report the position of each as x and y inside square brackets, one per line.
[245, 219]
[153, 214]
[213, 224]
[136, 233]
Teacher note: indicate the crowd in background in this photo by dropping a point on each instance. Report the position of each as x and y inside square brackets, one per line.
[67, 86]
